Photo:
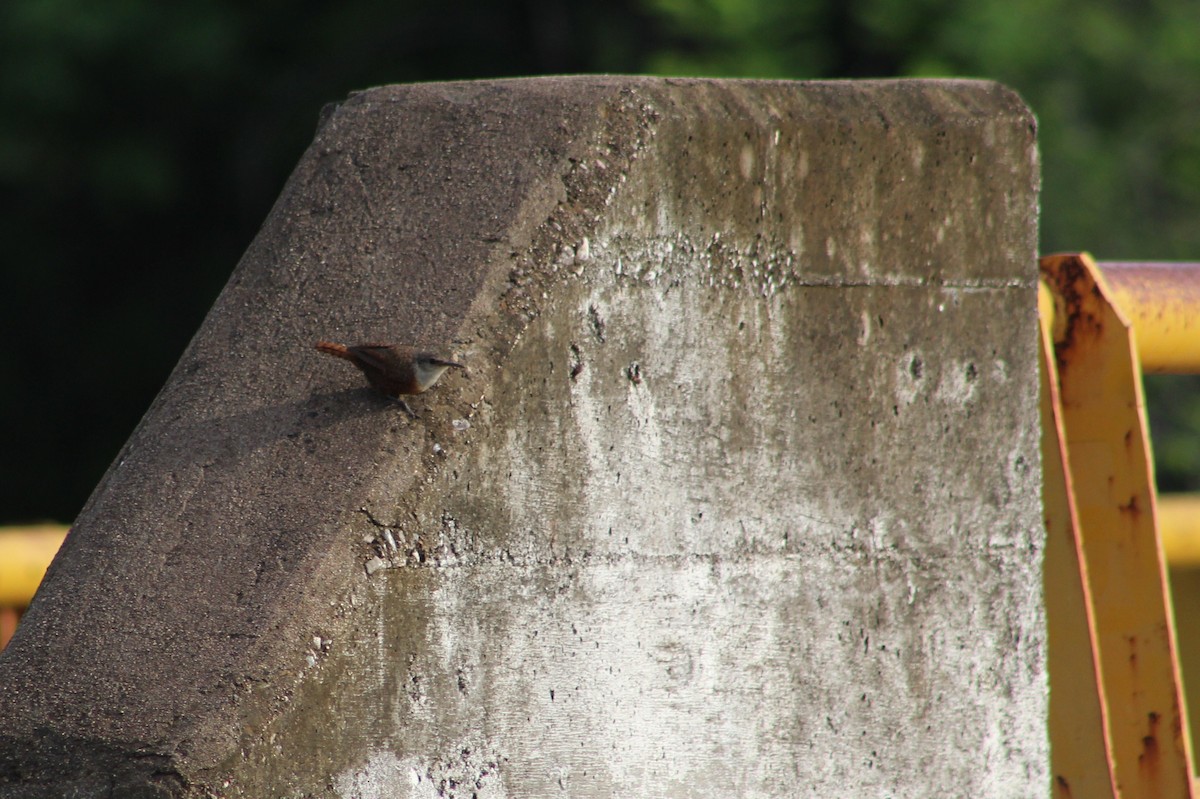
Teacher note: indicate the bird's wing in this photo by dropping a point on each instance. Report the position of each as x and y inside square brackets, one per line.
[379, 355]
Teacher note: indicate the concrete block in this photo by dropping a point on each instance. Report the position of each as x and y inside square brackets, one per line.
[740, 495]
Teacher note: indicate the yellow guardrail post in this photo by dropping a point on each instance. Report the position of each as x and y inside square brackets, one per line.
[1078, 727]
[1100, 427]
[1162, 302]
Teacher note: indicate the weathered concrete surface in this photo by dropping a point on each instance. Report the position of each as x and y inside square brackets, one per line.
[748, 503]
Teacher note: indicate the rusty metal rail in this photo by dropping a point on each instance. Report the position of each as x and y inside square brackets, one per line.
[1179, 528]
[25, 552]
[1162, 303]
[1118, 719]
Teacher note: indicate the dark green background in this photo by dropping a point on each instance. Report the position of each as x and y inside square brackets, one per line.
[142, 143]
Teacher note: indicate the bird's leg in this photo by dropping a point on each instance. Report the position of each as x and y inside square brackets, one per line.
[405, 406]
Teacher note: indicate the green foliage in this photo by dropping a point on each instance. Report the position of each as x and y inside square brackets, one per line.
[1116, 87]
[1175, 430]
[142, 144]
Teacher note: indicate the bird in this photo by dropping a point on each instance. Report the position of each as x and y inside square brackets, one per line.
[393, 370]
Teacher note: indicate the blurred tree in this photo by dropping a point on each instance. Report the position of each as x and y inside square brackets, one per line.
[1115, 85]
[143, 143]
[1174, 410]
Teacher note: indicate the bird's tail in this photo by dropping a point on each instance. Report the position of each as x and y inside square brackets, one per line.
[336, 350]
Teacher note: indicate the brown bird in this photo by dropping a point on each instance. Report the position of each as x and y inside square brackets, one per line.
[393, 370]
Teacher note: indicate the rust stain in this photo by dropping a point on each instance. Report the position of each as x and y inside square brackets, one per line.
[1177, 737]
[1079, 294]
[1131, 507]
[1149, 761]
[1133, 656]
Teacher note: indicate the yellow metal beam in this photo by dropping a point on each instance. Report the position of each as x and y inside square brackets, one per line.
[1107, 454]
[1162, 302]
[1179, 526]
[25, 552]
[1078, 726]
